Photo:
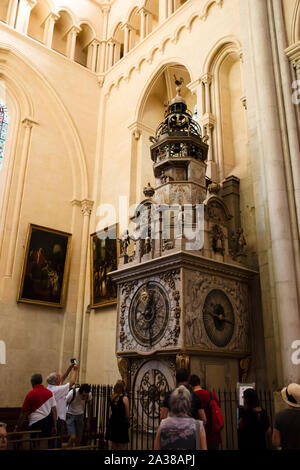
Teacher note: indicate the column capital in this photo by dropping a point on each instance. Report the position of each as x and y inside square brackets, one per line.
[136, 130]
[31, 3]
[51, 16]
[144, 10]
[86, 207]
[74, 29]
[206, 78]
[138, 127]
[296, 63]
[241, 55]
[244, 101]
[192, 86]
[208, 120]
[101, 78]
[105, 9]
[128, 26]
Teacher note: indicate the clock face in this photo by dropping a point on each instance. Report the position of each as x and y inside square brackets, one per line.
[218, 318]
[149, 314]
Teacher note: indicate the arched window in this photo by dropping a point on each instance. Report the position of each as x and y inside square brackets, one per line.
[3, 130]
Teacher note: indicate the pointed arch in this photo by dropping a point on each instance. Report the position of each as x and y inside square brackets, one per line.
[157, 72]
[62, 26]
[83, 41]
[228, 138]
[23, 108]
[37, 19]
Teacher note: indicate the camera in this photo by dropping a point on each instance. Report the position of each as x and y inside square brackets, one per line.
[73, 361]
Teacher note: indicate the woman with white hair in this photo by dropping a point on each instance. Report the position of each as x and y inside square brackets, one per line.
[179, 431]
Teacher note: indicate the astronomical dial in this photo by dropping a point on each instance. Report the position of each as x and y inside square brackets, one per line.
[218, 318]
[149, 314]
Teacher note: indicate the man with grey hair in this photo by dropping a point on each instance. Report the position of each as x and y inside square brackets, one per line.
[40, 408]
[60, 392]
[3, 436]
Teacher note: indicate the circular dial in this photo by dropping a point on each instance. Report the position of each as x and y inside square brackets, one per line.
[149, 314]
[218, 318]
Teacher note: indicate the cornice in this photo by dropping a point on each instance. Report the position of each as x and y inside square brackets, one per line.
[182, 259]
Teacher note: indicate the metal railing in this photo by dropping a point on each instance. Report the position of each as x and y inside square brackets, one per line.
[145, 412]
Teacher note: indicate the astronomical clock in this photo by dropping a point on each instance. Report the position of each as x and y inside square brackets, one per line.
[177, 306]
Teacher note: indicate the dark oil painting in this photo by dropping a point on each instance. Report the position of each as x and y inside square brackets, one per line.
[45, 267]
[104, 255]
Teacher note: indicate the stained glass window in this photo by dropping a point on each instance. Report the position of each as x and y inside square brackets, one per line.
[3, 130]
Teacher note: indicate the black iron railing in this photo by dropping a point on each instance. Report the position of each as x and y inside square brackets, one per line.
[145, 412]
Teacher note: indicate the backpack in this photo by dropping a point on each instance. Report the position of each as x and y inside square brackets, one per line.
[215, 420]
[73, 396]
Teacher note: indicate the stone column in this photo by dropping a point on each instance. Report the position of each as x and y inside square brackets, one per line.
[71, 41]
[93, 55]
[23, 161]
[292, 149]
[86, 209]
[49, 28]
[196, 87]
[12, 13]
[126, 38]
[163, 10]
[208, 125]
[170, 7]
[207, 79]
[101, 56]
[110, 52]
[143, 14]
[24, 12]
[105, 10]
[281, 254]
[117, 51]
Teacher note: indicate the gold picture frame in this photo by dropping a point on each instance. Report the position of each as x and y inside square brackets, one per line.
[104, 250]
[45, 267]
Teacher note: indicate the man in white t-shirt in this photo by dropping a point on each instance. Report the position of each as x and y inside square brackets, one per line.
[75, 414]
[60, 392]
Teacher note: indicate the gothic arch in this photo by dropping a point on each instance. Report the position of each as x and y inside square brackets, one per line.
[118, 39]
[149, 84]
[217, 47]
[150, 111]
[134, 20]
[83, 40]
[130, 10]
[62, 26]
[17, 88]
[223, 116]
[37, 19]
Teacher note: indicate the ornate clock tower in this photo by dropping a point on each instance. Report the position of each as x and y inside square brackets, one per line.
[183, 294]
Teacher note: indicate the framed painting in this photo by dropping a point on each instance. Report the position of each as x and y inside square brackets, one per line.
[45, 267]
[104, 259]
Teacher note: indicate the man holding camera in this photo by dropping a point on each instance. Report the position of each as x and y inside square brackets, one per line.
[60, 391]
